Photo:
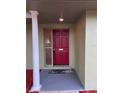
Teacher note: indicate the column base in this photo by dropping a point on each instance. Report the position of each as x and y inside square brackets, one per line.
[35, 88]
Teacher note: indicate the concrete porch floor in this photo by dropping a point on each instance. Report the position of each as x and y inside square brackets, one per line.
[64, 91]
[60, 83]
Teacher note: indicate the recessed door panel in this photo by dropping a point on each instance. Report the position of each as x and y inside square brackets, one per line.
[56, 42]
[61, 47]
[64, 42]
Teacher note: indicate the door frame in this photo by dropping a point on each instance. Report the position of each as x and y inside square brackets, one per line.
[52, 66]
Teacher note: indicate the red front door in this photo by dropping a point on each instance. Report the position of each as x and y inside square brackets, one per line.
[61, 46]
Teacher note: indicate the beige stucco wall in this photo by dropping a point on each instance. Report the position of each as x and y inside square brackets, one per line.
[80, 48]
[86, 49]
[28, 47]
[91, 50]
[41, 48]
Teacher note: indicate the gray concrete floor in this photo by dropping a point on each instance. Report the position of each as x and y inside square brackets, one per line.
[59, 82]
[66, 91]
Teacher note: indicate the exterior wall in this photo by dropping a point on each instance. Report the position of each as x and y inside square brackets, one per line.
[86, 49]
[41, 47]
[80, 48]
[28, 47]
[91, 50]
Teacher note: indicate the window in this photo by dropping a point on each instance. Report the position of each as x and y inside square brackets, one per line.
[48, 46]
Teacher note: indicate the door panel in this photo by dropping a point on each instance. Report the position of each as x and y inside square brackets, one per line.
[64, 32]
[56, 42]
[61, 47]
[64, 41]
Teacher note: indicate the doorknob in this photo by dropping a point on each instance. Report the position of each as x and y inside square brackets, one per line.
[53, 50]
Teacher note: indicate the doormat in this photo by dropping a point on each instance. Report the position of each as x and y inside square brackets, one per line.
[60, 71]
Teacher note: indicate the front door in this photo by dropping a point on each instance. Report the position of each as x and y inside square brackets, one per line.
[60, 46]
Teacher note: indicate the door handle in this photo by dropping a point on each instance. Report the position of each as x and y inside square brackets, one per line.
[53, 50]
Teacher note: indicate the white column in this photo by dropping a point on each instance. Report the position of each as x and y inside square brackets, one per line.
[35, 48]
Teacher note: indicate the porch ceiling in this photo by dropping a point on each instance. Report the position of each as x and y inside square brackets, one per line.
[49, 10]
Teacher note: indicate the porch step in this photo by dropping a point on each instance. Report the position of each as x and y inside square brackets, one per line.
[64, 91]
[70, 91]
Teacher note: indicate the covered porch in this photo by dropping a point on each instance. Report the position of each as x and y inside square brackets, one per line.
[61, 51]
